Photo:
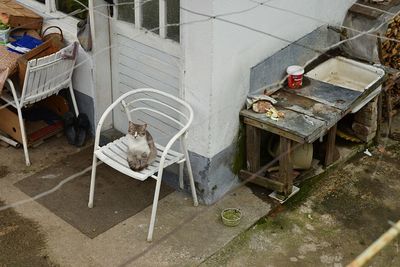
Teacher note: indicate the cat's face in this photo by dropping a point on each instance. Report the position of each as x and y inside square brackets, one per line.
[137, 130]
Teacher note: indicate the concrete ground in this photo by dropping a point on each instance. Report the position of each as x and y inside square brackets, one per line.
[184, 235]
[331, 221]
[333, 218]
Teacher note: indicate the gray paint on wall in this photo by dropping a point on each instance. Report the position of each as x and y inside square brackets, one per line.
[273, 68]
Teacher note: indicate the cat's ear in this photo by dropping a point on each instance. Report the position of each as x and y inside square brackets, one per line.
[143, 127]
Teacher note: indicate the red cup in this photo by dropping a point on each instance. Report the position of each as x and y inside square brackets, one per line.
[295, 78]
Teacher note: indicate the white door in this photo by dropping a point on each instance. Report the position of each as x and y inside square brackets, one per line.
[143, 56]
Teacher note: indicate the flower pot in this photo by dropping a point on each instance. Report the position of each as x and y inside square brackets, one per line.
[231, 216]
[4, 36]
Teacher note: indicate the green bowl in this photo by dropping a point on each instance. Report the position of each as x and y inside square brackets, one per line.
[231, 216]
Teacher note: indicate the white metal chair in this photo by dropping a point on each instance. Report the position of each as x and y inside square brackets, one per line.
[44, 77]
[173, 110]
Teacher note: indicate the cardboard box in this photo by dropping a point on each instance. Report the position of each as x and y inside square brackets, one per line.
[38, 130]
[16, 15]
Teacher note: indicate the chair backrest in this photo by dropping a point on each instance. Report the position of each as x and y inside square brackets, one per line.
[165, 114]
[46, 76]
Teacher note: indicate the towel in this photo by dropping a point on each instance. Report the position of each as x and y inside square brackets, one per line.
[70, 51]
[24, 44]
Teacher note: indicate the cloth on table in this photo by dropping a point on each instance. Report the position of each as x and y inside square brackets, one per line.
[8, 64]
[24, 44]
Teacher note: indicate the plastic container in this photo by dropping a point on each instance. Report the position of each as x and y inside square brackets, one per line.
[4, 34]
[295, 78]
[231, 216]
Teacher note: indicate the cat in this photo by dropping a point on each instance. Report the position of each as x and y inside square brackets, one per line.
[141, 148]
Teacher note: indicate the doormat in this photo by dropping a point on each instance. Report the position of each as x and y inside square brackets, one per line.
[117, 196]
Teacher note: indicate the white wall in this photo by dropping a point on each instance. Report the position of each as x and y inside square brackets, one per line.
[234, 51]
[82, 79]
[196, 40]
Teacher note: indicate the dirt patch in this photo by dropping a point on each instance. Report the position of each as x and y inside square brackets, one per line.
[21, 242]
[330, 221]
[3, 171]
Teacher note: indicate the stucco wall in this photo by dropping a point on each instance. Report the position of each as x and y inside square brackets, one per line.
[218, 57]
[196, 40]
[237, 49]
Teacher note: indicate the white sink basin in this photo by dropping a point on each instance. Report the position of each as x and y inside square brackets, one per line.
[349, 74]
[346, 73]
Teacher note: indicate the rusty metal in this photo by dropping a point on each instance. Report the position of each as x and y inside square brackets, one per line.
[377, 246]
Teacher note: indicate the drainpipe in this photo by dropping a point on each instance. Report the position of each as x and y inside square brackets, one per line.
[91, 18]
[377, 246]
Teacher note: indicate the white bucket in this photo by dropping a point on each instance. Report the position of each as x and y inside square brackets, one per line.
[4, 36]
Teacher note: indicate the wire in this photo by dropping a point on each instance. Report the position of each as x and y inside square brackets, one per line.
[374, 8]
[326, 22]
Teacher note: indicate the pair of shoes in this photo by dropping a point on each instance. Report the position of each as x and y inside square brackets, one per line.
[76, 129]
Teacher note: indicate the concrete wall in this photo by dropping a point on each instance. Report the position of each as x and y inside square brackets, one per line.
[218, 58]
[237, 49]
[197, 47]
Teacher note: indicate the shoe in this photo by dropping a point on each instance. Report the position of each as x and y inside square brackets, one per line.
[69, 127]
[83, 127]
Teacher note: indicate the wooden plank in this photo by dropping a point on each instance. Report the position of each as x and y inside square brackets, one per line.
[149, 60]
[307, 106]
[253, 145]
[379, 120]
[150, 71]
[261, 181]
[274, 130]
[295, 126]
[330, 146]
[165, 56]
[151, 81]
[285, 165]
[17, 15]
[331, 95]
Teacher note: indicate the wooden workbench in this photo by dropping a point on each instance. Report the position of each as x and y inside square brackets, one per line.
[310, 113]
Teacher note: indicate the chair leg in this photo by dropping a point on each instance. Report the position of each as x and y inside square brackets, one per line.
[154, 209]
[189, 167]
[92, 182]
[23, 135]
[181, 175]
[71, 91]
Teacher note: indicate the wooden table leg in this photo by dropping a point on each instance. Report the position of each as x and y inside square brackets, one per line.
[330, 145]
[285, 165]
[377, 138]
[253, 142]
[389, 112]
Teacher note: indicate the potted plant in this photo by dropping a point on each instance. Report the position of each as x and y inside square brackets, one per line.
[4, 31]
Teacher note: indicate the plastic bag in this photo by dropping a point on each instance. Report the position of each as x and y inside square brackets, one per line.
[84, 34]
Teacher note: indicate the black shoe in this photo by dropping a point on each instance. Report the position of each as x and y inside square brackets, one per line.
[69, 127]
[83, 127]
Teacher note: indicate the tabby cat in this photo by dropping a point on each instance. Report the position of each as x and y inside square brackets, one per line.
[141, 148]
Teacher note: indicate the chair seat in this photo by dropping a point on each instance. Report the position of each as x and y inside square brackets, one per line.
[114, 154]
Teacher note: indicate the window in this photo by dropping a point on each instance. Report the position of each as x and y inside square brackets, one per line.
[67, 7]
[152, 15]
